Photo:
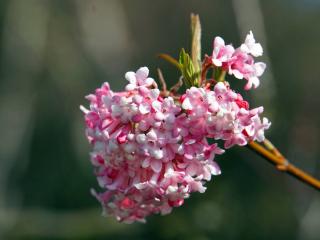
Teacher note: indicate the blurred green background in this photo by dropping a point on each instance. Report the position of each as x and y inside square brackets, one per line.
[53, 53]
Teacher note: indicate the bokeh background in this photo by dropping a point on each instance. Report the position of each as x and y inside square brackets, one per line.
[53, 53]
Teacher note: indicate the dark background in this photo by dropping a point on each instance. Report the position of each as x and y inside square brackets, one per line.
[53, 53]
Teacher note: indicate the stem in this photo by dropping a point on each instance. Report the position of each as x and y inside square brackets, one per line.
[270, 153]
[162, 82]
[175, 88]
[272, 148]
[221, 76]
[204, 69]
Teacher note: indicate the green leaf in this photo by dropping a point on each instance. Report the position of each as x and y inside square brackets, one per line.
[190, 75]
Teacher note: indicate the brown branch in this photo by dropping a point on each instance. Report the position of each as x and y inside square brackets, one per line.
[272, 148]
[175, 88]
[162, 81]
[204, 69]
[272, 154]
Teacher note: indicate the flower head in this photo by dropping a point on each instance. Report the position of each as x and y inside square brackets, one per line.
[146, 158]
[240, 62]
[222, 114]
[151, 151]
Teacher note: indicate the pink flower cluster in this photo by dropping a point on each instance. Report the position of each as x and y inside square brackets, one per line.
[151, 152]
[239, 62]
[222, 114]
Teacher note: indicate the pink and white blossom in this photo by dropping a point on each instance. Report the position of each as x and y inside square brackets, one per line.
[222, 114]
[146, 158]
[151, 151]
[221, 53]
[239, 62]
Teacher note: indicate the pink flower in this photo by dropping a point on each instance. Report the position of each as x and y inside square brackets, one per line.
[146, 156]
[151, 152]
[239, 62]
[242, 65]
[222, 114]
[221, 52]
[139, 78]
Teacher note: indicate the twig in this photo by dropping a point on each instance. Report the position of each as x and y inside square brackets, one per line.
[271, 154]
[175, 88]
[162, 81]
[272, 148]
[204, 69]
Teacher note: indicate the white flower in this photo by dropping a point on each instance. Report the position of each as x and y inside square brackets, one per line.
[250, 46]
